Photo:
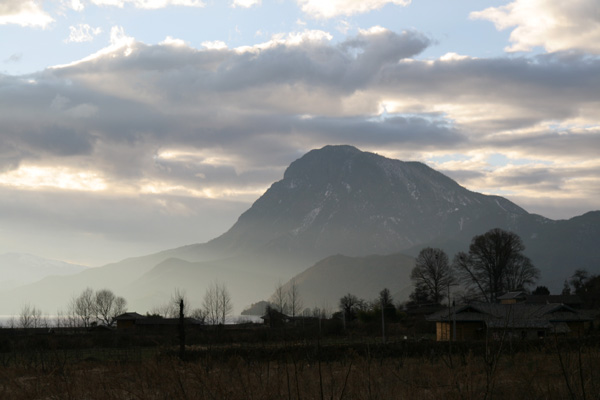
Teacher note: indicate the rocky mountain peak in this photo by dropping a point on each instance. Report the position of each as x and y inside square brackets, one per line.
[339, 199]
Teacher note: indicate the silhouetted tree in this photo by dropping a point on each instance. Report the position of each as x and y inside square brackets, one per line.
[280, 299]
[541, 291]
[495, 264]
[420, 295]
[590, 292]
[386, 302]
[30, 317]
[83, 307]
[578, 279]
[107, 306]
[294, 300]
[566, 291]
[350, 305]
[432, 273]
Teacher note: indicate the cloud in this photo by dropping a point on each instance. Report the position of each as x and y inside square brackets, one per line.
[149, 4]
[27, 13]
[335, 8]
[14, 58]
[245, 3]
[181, 124]
[553, 25]
[82, 33]
[76, 5]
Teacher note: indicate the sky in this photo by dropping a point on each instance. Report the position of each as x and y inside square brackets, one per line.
[133, 126]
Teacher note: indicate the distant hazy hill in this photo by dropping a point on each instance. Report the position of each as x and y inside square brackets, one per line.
[336, 200]
[323, 284]
[18, 269]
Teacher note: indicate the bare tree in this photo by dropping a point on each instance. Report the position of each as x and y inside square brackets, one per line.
[294, 300]
[432, 274]
[578, 279]
[107, 306]
[30, 317]
[83, 307]
[495, 264]
[280, 299]
[210, 305]
[170, 309]
[350, 305]
[217, 303]
[224, 301]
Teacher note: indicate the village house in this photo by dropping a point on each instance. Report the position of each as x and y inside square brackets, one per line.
[133, 320]
[522, 320]
[570, 300]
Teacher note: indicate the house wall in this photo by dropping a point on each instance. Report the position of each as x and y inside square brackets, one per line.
[464, 331]
[578, 328]
[125, 324]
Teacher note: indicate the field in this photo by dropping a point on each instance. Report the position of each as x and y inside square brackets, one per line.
[291, 367]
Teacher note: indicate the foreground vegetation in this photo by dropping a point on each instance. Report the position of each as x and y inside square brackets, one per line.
[263, 363]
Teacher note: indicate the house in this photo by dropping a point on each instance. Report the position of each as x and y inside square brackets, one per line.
[518, 320]
[274, 318]
[128, 320]
[571, 300]
[133, 320]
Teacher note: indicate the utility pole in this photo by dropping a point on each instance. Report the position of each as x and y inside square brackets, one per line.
[181, 331]
[382, 323]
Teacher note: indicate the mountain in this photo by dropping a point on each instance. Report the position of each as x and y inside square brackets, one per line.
[341, 200]
[336, 200]
[18, 269]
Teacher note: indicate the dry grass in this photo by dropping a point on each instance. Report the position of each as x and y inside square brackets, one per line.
[551, 373]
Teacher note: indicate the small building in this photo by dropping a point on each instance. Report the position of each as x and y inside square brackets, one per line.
[570, 300]
[128, 320]
[275, 318]
[477, 321]
[133, 320]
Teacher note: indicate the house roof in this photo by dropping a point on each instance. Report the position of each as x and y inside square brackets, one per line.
[129, 316]
[556, 298]
[513, 295]
[274, 314]
[520, 315]
[166, 321]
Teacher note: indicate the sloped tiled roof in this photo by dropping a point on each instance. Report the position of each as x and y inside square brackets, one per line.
[512, 295]
[129, 316]
[519, 315]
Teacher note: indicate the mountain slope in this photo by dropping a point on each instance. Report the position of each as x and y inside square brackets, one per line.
[341, 200]
[323, 284]
[18, 269]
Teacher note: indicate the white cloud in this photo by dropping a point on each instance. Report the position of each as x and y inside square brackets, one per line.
[215, 45]
[554, 25]
[245, 3]
[120, 44]
[171, 41]
[334, 8]
[24, 12]
[36, 177]
[76, 5]
[149, 4]
[82, 33]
